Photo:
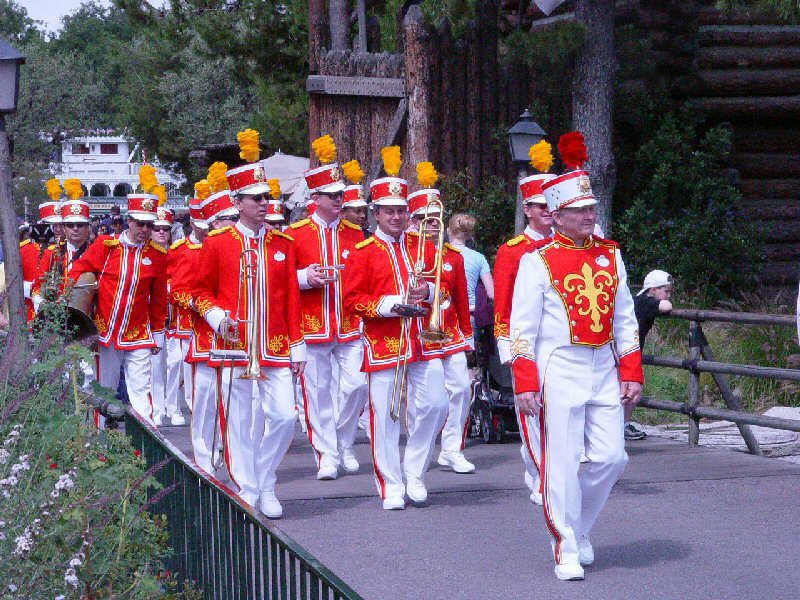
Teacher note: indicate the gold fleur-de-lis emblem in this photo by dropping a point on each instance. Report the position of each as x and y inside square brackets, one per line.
[590, 288]
[395, 189]
[584, 184]
[259, 175]
[148, 204]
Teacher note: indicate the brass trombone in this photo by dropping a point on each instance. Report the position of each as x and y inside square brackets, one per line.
[248, 276]
[433, 332]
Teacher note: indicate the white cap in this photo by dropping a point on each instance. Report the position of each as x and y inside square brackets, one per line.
[656, 279]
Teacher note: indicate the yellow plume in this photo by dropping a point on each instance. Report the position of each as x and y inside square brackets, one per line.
[275, 188]
[147, 178]
[248, 145]
[391, 160]
[427, 175]
[325, 149]
[161, 192]
[73, 188]
[202, 190]
[353, 172]
[54, 189]
[216, 177]
[541, 156]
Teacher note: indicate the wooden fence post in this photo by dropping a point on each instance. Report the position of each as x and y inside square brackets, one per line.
[418, 75]
[694, 384]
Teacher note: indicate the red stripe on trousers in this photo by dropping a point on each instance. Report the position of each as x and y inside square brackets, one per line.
[309, 427]
[545, 482]
[378, 476]
[223, 428]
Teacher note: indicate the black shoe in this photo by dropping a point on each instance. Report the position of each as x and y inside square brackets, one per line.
[633, 433]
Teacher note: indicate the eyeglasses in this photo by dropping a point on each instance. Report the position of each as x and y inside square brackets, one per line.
[163, 228]
[145, 224]
[75, 225]
[261, 197]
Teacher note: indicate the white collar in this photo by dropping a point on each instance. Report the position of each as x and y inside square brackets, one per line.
[192, 239]
[248, 232]
[126, 241]
[382, 235]
[324, 224]
[71, 247]
[535, 235]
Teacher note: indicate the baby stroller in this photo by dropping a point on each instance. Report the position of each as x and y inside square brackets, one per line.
[492, 414]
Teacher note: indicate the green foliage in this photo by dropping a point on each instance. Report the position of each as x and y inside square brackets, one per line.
[788, 10]
[73, 499]
[487, 201]
[16, 26]
[681, 217]
[458, 12]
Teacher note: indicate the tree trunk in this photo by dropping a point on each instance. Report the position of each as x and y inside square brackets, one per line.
[592, 98]
[317, 26]
[14, 293]
[418, 77]
[339, 11]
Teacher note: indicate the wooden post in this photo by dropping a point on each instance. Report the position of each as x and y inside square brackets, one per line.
[339, 11]
[694, 384]
[418, 71]
[727, 394]
[15, 296]
[361, 10]
[317, 29]
[520, 221]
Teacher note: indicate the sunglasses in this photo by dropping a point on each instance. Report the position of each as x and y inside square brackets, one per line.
[163, 228]
[75, 225]
[261, 197]
[145, 224]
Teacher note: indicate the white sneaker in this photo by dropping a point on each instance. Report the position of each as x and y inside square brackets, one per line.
[533, 486]
[349, 461]
[270, 506]
[416, 489]
[302, 420]
[585, 552]
[176, 418]
[394, 503]
[250, 499]
[455, 460]
[584, 458]
[327, 472]
[569, 572]
[158, 419]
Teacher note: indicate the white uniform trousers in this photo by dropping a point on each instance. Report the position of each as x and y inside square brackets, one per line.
[332, 407]
[581, 407]
[162, 403]
[204, 414]
[259, 427]
[425, 414]
[457, 383]
[136, 364]
[531, 446]
[176, 351]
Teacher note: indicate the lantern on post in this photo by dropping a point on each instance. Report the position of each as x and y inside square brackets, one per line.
[10, 61]
[524, 134]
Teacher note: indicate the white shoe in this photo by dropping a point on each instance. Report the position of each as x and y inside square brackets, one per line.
[585, 552]
[176, 418]
[455, 460]
[533, 486]
[569, 572]
[349, 461]
[327, 472]
[584, 458]
[302, 420]
[250, 499]
[158, 419]
[394, 503]
[270, 506]
[416, 489]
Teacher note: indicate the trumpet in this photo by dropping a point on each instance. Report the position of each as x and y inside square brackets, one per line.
[433, 332]
[248, 277]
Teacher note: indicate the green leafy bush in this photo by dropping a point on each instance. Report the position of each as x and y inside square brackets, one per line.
[681, 217]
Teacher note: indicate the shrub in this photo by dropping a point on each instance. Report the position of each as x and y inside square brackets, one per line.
[682, 215]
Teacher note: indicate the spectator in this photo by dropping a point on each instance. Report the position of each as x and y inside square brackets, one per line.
[461, 229]
[102, 230]
[117, 225]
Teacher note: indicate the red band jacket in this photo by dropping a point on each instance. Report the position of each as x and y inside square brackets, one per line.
[375, 279]
[29, 253]
[131, 293]
[322, 309]
[275, 306]
[180, 316]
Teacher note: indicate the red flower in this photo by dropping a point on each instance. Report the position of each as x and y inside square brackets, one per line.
[47, 457]
[137, 453]
[101, 458]
[53, 465]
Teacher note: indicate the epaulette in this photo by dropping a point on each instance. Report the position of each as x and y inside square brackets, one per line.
[517, 240]
[450, 246]
[281, 234]
[178, 243]
[219, 231]
[299, 224]
[413, 233]
[110, 243]
[52, 247]
[155, 246]
[350, 224]
[365, 243]
[24, 243]
[194, 246]
[606, 241]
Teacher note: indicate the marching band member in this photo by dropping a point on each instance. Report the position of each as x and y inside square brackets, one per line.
[323, 243]
[576, 360]
[380, 287]
[258, 313]
[29, 253]
[57, 253]
[354, 201]
[540, 224]
[218, 213]
[131, 298]
[455, 323]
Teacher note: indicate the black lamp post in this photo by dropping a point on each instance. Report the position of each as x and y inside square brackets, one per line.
[10, 61]
[524, 134]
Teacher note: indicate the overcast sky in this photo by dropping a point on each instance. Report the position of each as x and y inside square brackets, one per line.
[51, 11]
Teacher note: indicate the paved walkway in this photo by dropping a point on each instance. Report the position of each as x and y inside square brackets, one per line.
[682, 523]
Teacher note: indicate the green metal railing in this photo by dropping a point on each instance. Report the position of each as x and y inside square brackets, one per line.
[219, 545]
